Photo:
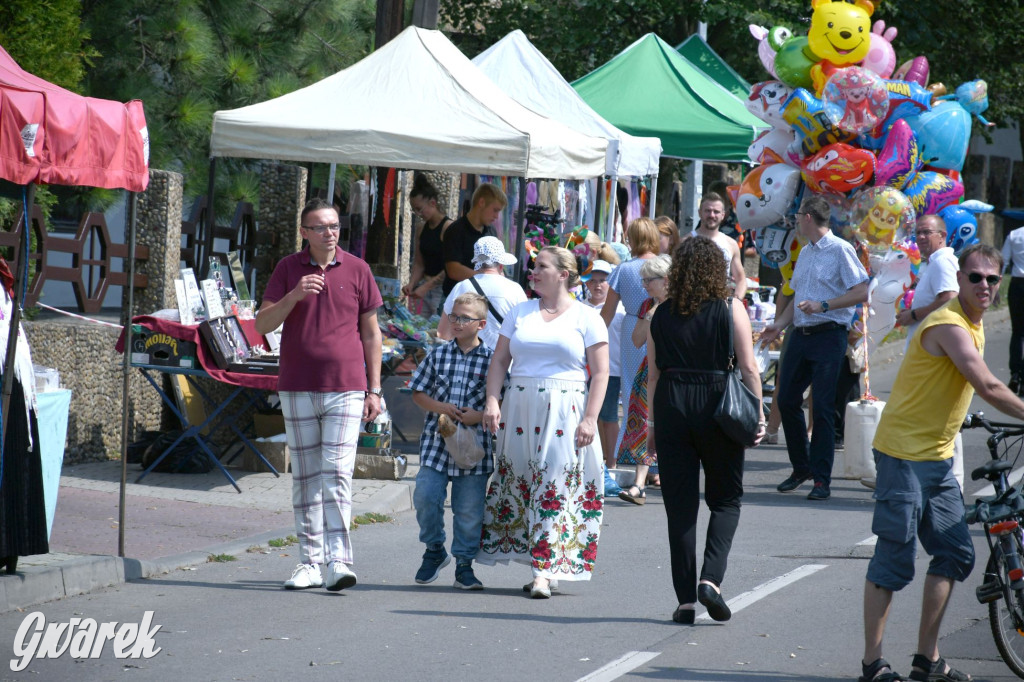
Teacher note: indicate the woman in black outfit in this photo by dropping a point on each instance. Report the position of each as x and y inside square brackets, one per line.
[427, 274]
[689, 335]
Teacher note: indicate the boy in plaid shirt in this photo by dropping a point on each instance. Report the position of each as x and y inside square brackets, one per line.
[452, 380]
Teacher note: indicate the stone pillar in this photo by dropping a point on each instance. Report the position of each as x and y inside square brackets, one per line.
[159, 228]
[282, 196]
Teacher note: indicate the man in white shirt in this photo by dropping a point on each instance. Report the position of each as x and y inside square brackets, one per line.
[1013, 257]
[502, 294]
[936, 284]
[712, 213]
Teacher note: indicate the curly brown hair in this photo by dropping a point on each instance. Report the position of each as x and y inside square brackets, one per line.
[697, 275]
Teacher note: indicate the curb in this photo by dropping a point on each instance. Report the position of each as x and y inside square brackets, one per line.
[37, 585]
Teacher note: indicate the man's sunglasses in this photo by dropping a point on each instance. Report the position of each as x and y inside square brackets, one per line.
[976, 277]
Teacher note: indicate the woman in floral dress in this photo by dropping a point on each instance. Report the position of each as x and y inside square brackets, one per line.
[545, 501]
[634, 444]
[624, 285]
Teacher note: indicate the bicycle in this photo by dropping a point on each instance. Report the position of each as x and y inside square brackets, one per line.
[1002, 516]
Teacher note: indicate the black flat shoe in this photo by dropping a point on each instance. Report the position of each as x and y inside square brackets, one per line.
[683, 616]
[716, 606]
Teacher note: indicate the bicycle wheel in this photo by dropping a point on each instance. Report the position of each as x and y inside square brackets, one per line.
[1009, 640]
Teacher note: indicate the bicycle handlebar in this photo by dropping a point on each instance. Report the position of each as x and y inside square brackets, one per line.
[977, 420]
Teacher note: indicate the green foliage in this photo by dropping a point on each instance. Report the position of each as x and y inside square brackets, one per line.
[46, 39]
[186, 59]
[963, 39]
[221, 558]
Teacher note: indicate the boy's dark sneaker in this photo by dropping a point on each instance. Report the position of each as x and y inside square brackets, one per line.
[820, 492]
[433, 561]
[464, 578]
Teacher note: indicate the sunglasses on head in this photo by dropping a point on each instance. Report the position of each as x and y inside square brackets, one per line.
[976, 277]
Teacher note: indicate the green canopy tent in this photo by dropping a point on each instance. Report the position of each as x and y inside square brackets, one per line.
[697, 51]
[650, 90]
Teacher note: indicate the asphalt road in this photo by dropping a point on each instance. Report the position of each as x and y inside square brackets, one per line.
[796, 576]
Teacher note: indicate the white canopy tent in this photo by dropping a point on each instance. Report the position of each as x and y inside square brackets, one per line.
[523, 72]
[416, 103]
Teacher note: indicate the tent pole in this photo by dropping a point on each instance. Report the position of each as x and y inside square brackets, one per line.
[598, 205]
[15, 322]
[203, 266]
[126, 317]
[330, 183]
[520, 233]
[654, 196]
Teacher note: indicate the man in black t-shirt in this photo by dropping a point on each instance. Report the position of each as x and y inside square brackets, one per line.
[462, 235]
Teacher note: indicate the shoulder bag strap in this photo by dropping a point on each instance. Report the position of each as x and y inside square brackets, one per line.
[476, 285]
[732, 348]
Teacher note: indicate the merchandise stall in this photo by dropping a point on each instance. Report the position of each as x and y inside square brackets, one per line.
[372, 113]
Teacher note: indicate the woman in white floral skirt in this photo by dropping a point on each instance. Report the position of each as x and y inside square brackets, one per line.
[545, 500]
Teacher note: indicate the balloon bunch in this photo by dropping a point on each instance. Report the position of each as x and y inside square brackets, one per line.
[879, 143]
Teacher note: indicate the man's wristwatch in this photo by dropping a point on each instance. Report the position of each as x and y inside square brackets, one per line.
[375, 391]
[913, 315]
[824, 306]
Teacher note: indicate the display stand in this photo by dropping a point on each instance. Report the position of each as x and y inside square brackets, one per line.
[214, 420]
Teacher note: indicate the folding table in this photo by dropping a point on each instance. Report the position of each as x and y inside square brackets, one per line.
[217, 419]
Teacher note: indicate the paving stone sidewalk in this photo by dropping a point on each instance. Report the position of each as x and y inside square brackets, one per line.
[172, 521]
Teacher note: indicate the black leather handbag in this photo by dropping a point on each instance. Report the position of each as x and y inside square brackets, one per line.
[739, 412]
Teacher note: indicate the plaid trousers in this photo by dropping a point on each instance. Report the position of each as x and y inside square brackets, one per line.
[322, 431]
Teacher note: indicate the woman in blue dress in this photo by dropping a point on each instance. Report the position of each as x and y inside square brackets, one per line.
[625, 285]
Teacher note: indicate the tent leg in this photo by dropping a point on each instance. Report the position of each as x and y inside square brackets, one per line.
[330, 183]
[654, 196]
[613, 198]
[520, 238]
[12, 331]
[203, 266]
[126, 317]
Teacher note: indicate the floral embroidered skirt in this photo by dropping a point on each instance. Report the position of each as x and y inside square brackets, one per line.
[545, 499]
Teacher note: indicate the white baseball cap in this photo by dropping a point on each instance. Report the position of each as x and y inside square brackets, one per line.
[602, 266]
[490, 250]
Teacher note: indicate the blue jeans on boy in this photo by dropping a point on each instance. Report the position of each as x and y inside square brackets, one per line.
[468, 494]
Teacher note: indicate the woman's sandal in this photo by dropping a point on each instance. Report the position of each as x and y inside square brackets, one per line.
[628, 496]
[937, 671]
[654, 482]
[873, 672]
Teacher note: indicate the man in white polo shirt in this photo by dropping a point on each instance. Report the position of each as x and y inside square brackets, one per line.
[936, 285]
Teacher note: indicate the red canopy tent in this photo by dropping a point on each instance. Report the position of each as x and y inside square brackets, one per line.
[53, 136]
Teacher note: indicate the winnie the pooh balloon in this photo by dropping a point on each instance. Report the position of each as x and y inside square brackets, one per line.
[840, 35]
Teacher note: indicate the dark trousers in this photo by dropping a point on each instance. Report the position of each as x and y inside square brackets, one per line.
[688, 439]
[1015, 299]
[811, 360]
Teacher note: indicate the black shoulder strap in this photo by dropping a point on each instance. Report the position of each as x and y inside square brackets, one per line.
[476, 285]
[732, 346]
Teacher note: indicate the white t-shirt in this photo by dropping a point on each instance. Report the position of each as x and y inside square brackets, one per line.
[937, 275]
[614, 339]
[503, 293]
[555, 349]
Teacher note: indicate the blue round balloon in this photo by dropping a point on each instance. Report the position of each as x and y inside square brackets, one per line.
[943, 134]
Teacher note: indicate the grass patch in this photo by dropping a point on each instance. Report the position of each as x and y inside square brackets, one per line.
[220, 558]
[370, 517]
[255, 549]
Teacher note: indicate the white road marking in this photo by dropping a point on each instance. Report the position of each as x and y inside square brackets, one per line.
[1015, 477]
[634, 659]
[868, 542]
[620, 666]
[744, 600]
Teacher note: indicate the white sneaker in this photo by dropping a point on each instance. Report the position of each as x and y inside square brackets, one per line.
[303, 577]
[339, 576]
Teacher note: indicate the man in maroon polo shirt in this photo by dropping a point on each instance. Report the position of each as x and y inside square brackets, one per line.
[329, 384]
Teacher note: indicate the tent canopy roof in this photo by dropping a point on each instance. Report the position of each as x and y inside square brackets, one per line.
[523, 72]
[51, 135]
[649, 89]
[417, 102]
[697, 51]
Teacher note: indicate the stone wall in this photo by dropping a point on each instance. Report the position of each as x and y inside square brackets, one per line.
[282, 196]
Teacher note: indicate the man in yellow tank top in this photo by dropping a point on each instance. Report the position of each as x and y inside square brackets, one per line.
[917, 496]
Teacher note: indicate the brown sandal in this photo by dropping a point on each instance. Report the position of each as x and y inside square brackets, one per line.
[638, 499]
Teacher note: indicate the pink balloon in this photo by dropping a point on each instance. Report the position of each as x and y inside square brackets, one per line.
[915, 71]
